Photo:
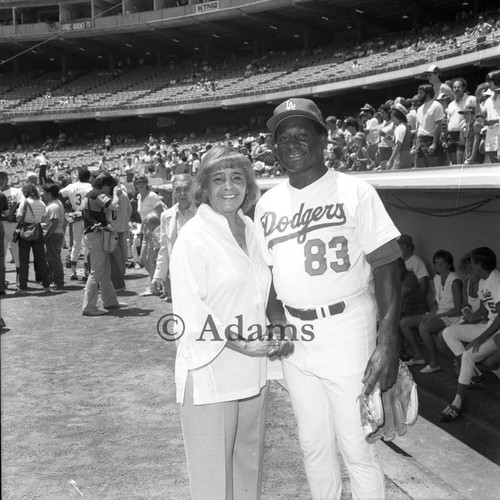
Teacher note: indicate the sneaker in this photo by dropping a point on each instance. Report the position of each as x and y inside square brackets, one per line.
[450, 414]
[414, 362]
[73, 277]
[147, 293]
[429, 369]
[93, 312]
[119, 305]
[55, 287]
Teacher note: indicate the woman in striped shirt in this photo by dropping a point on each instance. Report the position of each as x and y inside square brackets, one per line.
[35, 213]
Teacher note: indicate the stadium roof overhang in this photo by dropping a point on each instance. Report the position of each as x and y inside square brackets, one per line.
[244, 28]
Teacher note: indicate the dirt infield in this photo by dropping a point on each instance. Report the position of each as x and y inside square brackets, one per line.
[88, 404]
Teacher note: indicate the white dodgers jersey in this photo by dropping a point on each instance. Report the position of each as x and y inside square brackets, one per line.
[76, 193]
[316, 238]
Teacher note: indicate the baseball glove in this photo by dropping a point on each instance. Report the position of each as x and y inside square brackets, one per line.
[387, 414]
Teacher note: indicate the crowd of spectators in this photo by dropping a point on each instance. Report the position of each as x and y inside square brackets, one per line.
[441, 125]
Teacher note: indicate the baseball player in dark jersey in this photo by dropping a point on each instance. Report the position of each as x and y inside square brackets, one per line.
[333, 252]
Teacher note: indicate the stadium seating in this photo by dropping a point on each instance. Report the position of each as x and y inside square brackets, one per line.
[38, 94]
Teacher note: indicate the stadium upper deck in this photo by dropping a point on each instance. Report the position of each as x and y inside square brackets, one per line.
[134, 90]
[94, 32]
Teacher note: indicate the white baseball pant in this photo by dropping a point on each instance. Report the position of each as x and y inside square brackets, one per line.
[9, 228]
[470, 358]
[78, 227]
[455, 335]
[324, 380]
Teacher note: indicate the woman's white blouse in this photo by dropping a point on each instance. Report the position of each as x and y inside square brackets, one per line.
[444, 294]
[216, 284]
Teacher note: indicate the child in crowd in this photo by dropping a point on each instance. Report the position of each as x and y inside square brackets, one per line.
[151, 235]
[360, 158]
[336, 160]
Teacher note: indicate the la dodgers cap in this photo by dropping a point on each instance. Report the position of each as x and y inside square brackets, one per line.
[295, 107]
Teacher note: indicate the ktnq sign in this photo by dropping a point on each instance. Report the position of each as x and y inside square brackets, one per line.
[201, 8]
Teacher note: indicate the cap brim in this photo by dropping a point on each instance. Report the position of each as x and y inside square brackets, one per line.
[274, 122]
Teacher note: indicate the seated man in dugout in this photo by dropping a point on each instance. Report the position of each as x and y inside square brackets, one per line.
[483, 338]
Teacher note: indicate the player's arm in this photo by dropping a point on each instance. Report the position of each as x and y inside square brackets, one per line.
[51, 226]
[424, 284]
[162, 259]
[275, 311]
[437, 135]
[384, 362]
[276, 316]
[115, 200]
[493, 328]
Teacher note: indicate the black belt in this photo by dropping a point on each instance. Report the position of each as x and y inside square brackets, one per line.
[311, 314]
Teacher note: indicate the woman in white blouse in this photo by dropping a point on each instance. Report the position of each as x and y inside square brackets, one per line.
[220, 286]
[446, 311]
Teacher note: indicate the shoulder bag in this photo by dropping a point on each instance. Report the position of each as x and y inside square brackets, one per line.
[28, 231]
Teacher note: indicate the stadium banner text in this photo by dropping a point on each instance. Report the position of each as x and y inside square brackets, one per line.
[207, 7]
[83, 25]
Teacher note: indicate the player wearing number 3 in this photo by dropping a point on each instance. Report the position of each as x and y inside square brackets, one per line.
[330, 244]
[76, 193]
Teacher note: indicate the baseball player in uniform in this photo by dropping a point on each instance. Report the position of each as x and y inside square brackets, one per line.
[333, 253]
[76, 193]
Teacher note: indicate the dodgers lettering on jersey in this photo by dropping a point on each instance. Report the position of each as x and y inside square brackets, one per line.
[316, 238]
